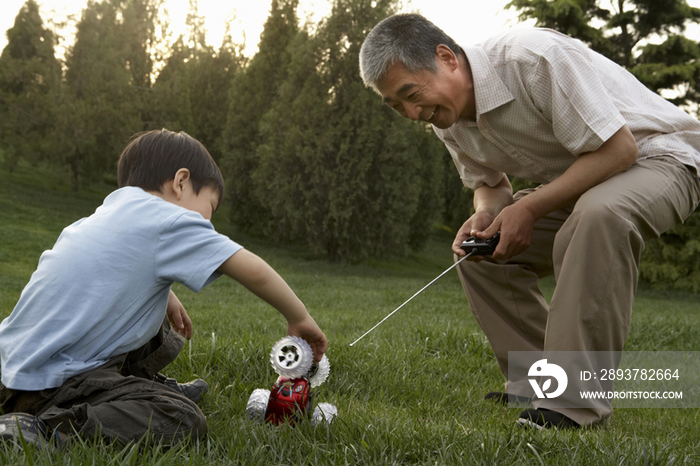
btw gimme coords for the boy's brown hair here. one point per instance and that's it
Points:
(154, 157)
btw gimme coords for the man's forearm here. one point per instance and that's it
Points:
(492, 200)
(616, 155)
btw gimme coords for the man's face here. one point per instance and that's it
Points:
(440, 98)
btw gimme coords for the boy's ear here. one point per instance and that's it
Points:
(182, 178)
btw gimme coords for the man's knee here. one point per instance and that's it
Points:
(597, 217)
(469, 270)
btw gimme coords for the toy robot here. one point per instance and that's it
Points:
(291, 397)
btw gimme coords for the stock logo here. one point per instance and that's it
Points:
(546, 372)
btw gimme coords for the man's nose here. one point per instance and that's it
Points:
(413, 111)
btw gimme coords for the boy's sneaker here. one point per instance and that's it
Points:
(542, 418)
(17, 426)
(507, 398)
(192, 390)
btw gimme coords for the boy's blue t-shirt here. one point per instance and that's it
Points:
(103, 289)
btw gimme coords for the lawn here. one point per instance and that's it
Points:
(410, 393)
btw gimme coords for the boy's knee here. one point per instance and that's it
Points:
(193, 424)
(196, 428)
(179, 420)
(199, 426)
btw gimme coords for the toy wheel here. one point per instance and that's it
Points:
(257, 405)
(291, 357)
(324, 413)
(319, 373)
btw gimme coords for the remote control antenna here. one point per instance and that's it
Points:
(419, 292)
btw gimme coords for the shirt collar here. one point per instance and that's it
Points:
(489, 90)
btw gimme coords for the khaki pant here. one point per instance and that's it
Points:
(119, 400)
(593, 248)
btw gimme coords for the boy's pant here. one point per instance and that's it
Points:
(593, 247)
(119, 400)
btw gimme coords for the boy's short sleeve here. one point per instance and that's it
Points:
(190, 251)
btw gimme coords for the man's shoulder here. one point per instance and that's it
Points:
(521, 43)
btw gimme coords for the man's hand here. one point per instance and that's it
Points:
(476, 223)
(177, 315)
(310, 331)
(489, 202)
(515, 223)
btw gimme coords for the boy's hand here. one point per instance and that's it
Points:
(310, 331)
(177, 315)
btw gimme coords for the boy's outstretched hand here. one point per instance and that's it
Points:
(310, 331)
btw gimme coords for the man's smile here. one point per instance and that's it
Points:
(433, 116)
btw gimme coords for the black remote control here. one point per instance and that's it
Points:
(479, 246)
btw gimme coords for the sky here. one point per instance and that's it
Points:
(467, 21)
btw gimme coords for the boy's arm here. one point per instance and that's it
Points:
(256, 275)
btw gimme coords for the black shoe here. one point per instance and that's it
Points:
(192, 390)
(542, 418)
(507, 398)
(17, 426)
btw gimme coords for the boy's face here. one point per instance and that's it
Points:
(179, 191)
(204, 203)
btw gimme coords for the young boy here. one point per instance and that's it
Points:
(81, 351)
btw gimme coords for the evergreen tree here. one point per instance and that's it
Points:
(337, 168)
(30, 76)
(170, 103)
(191, 92)
(211, 74)
(251, 95)
(100, 110)
(144, 41)
(140, 42)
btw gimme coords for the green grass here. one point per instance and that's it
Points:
(410, 393)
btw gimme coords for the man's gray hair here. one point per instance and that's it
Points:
(407, 38)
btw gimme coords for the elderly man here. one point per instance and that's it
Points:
(616, 165)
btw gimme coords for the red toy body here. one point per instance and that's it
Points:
(290, 399)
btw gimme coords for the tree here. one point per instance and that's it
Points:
(337, 169)
(251, 94)
(191, 92)
(100, 110)
(108, 71)
(139, 26)
(143, 32)
(29, 78)
(211, 74)
(170, 102)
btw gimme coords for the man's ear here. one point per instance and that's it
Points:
(445, 55)
(182, 178)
